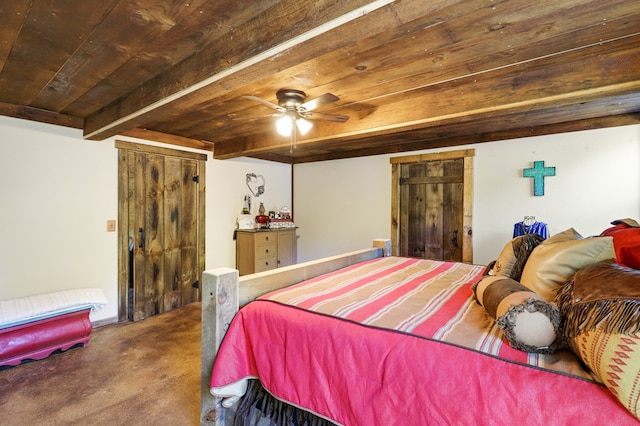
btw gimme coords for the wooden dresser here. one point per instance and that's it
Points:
(262, 250)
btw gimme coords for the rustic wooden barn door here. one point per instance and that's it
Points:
(431, 199)
(164, 200)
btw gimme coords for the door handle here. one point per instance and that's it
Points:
(141, 243)
(454, 239)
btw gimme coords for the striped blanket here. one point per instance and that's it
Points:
(401, 338)
(423, 297)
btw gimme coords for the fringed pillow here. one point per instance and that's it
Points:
(528, 321)
(514, 255)
(601, 311)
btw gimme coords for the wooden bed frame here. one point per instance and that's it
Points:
(224, 292)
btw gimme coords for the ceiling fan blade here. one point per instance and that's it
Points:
(327, 117)
(327, 98)
(263, 102)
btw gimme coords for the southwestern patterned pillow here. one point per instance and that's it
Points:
(600, 308)
(615, 359)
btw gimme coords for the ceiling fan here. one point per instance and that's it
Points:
(292, 108)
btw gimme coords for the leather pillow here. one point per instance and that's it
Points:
(566, 235)
(553, 263)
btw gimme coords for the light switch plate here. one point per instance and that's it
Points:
(111, 225)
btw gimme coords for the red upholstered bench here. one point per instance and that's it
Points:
(34, 327)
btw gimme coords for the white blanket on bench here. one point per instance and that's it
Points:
(32, 308)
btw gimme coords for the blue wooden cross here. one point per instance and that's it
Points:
(538, 173)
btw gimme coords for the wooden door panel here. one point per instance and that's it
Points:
(452, 223)
(433, 215)
(138, 191)
(452, 226)
(189, 233)
(172, 232)
(431, 198)
(405, 199)
(287, 248)
(414, 225)
(153, 226)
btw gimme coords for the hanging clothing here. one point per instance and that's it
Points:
(539, 228)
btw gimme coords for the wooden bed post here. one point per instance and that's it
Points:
(219, 305)
(384, 244)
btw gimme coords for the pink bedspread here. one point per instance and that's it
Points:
(408, 346)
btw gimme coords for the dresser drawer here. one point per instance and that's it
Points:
(267, 250)
(266, 263)
(264, 238)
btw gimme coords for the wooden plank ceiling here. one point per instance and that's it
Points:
(410, 74)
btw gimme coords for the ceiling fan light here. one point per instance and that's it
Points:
(303, 125)
(284, 125)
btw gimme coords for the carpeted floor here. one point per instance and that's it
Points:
(144, 373)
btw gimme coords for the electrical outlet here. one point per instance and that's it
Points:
(111, 226)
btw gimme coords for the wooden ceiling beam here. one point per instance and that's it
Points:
(151, 135)
(257, 41)
(580, 77)
(466, 139)
(412, 57)
(40, 115)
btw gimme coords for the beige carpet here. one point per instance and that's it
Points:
(145, 373)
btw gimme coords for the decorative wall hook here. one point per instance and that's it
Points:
(255, 183)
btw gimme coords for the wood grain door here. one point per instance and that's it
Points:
(165, 223)
(431, 216)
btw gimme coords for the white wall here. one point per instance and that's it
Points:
(58, 191)
(226, 188)
(342, 205)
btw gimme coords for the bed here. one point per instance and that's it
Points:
(418, 348)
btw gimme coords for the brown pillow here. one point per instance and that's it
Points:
(514, 255)
(602, 293)
(529, 322)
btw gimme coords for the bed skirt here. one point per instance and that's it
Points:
(259, 407)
